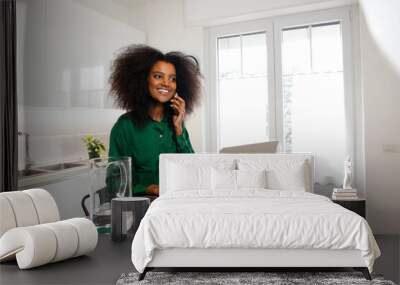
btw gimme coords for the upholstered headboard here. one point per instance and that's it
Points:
(234, 161)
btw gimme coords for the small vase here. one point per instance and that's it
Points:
(93, 154)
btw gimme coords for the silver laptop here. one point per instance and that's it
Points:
(265, 147)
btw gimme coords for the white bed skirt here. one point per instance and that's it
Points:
(193, 257)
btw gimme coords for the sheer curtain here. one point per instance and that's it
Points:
(8, 97)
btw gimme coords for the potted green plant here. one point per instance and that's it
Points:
(94, 146)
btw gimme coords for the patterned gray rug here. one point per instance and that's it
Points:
(269, 278)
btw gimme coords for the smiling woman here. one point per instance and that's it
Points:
(156, 90)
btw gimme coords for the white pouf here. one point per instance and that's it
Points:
(23, 208)
(46, 207)
(37, 245)
(7, 220)
(31, 233)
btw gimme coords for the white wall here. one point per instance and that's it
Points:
(164, 26)
(381, 19)
(380, 55)
(65, 48)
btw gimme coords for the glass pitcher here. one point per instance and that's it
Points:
(110, 177)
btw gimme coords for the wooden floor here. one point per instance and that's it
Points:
(110, 260)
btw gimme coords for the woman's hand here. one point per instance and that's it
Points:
(152, 190)
(178, 104)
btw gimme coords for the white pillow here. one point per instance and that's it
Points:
(251, 178)
(282, 174)
(182, 177)
(223, 178)
(288, 177)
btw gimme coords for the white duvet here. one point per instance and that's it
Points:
(251, 218)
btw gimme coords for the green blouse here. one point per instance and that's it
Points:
(144, 146)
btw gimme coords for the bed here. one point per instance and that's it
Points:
(246, 211)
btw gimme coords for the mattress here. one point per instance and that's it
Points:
(250, 219)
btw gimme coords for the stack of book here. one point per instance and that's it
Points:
(344, 194)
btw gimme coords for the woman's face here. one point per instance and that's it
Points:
(162, 81)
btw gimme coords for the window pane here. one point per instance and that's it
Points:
(229, 64)
(314, 119)
(326, 48)
(296, 48)
(243, 98)
(254, 52)
(243, 111)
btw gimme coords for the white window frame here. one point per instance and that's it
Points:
(212, 104)
(343, 16)
(348, 17)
